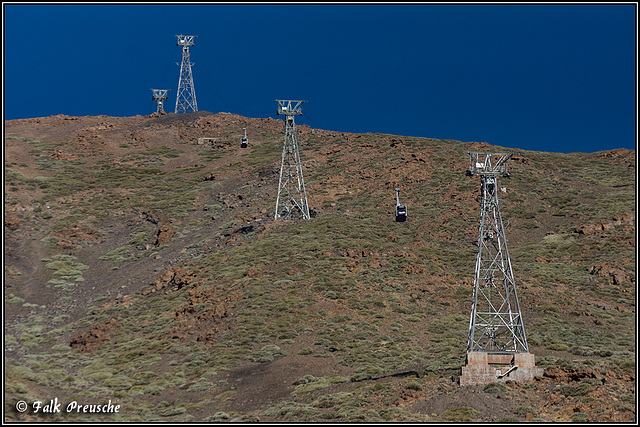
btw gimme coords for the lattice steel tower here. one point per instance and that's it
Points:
(186, 97)
(291, 203)
(496, 321)
(160, 95)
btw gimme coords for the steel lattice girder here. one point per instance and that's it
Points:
(291, 202)
(496, 323)
(186, 96)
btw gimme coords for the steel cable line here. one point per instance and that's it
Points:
(208, 83)
(164, 74)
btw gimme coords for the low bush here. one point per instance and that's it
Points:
(460, 414)
(495, 388)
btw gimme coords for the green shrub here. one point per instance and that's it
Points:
(361, 376)
(579, 417)
(67, 268)
(331, 400)
(201, 385)
(575, 390)
(413, 386)
(293, 411)
(460, 414)
(12, 299)
(523, 410)
(170, 412)
(268, 353)
(495, 388)
(118, 382)
(309, 383)
(557, 347)
(217, 417)
(61, 347)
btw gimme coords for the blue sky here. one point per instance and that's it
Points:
(553, 77)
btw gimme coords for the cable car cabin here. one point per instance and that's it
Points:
(401, 213)
(243, 143)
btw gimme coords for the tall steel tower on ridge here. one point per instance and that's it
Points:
(159, 95)
(291, 203)
(496, 321)
(496, 332)
(186, 97)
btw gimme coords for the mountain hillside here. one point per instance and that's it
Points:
(145, 269)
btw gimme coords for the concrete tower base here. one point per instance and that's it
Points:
(485, 368)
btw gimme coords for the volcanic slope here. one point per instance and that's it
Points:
(144, 268)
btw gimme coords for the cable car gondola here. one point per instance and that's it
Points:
(401, 210)
(244, 142)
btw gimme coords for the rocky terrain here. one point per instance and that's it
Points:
(145, 268)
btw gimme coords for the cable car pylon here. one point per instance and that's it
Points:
(159, 95)
(186, 96)
(497, 348)
(291, 203)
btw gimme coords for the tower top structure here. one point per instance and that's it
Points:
(483, 163)
(185, 41)
(289, 107)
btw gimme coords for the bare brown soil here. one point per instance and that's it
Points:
(238, 210)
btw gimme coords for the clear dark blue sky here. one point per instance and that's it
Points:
(558, 78)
